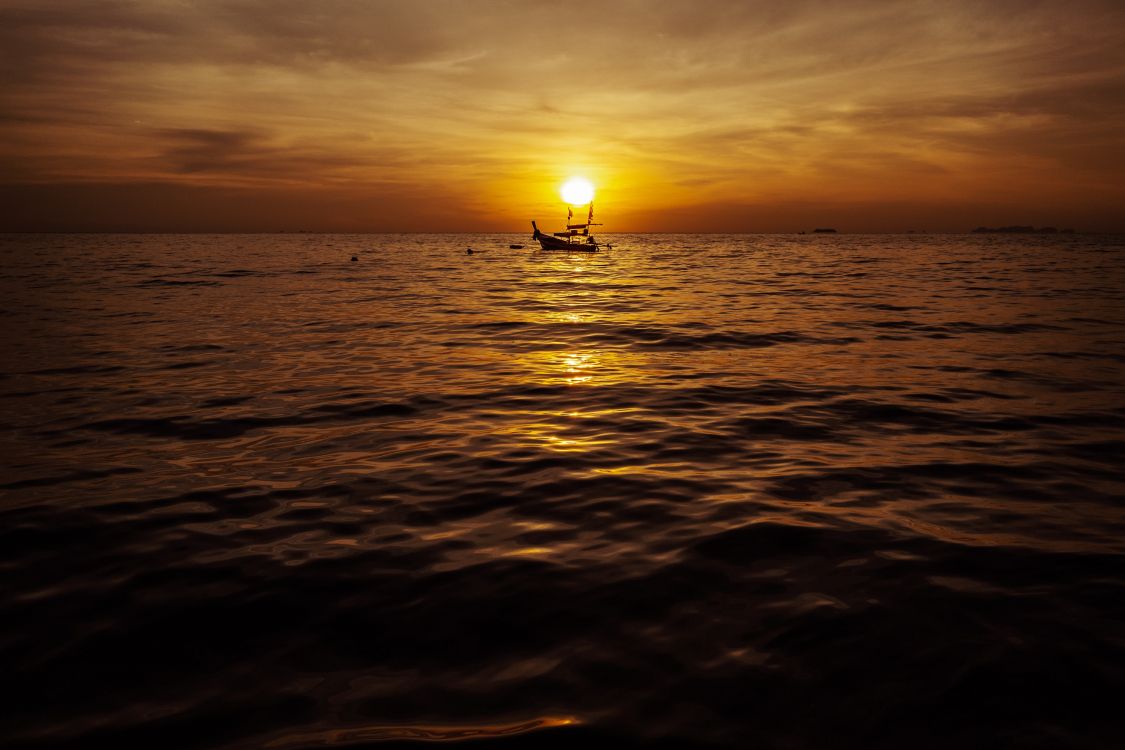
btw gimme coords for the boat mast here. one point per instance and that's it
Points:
(577, 230)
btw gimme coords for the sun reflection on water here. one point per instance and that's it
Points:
(558, 432)
(586, 367)
(578, 367)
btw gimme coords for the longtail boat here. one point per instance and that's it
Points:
(576, 238)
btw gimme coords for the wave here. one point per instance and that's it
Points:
(763, 491)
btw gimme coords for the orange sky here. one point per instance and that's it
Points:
(256, 115)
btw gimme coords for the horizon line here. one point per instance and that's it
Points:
(417, 232)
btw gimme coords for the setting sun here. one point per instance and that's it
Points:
(577, 190)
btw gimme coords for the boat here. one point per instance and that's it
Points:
(576, 238)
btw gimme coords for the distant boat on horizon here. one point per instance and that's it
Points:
(576, 238)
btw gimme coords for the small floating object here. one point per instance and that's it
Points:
(516, 247)
(468, 251)
(354, 259)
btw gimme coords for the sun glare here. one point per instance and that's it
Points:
(577, 190)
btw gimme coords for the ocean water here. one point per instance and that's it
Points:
(697, 491)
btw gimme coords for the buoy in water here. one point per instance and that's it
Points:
(468, 251)
(354, 259)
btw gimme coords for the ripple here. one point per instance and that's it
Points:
(679, 492)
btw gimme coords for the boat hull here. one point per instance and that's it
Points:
(556, 244)
(562, 246)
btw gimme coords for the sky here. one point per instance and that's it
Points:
(436, 115)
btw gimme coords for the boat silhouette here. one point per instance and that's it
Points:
(576, 238)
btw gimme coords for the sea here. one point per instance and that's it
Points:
(694, 491)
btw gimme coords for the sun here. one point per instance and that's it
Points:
(577, 190)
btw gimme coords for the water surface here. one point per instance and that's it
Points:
(732, 491)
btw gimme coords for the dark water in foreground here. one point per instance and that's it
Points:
(757, 491)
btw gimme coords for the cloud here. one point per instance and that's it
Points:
(488, 103)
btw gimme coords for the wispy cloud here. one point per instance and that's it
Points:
(739, 112)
